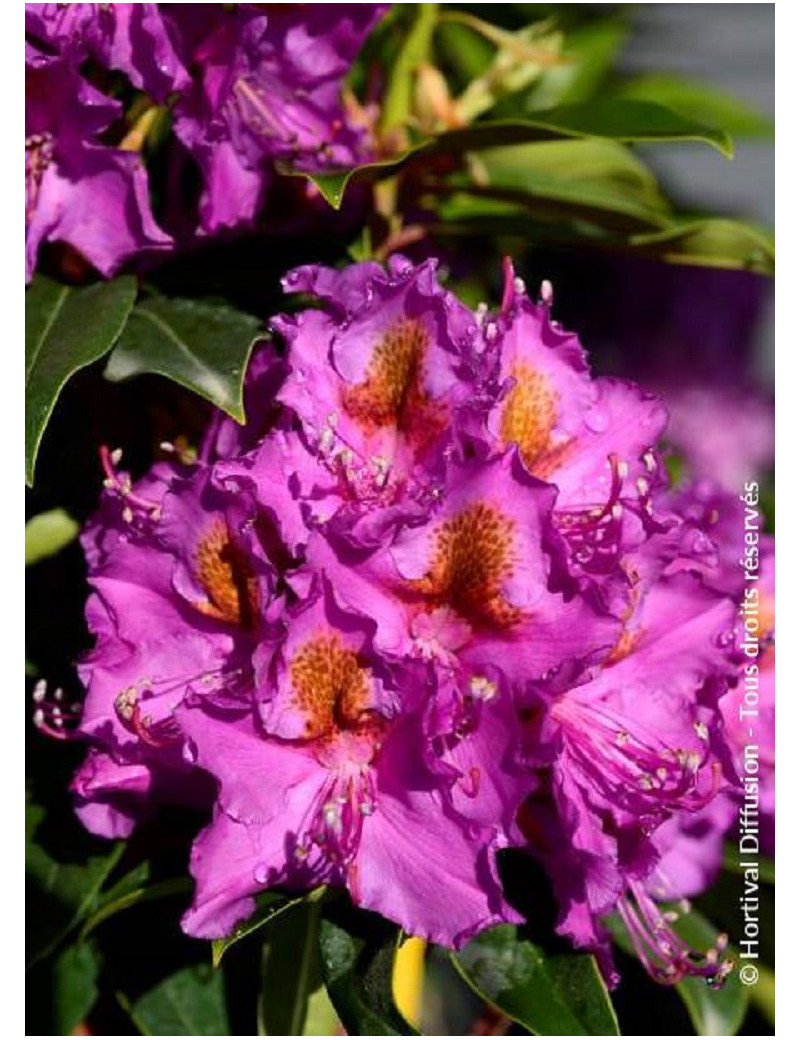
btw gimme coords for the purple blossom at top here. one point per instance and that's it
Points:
(266, 86)
(78, 190)
(131, 38)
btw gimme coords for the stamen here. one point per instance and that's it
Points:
(38, 157)
(665, 956)
(52, 715)
(120, 484)
(594, 534)
(635, 768)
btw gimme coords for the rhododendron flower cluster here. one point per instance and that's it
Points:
(434, 600)
(243, 88)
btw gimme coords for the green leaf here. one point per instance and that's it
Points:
(625, 121)
(290, 970)
(762, 994)
(520, 59)
(62, 892)
(583, 180)
(698, 101)
(321, 1017)
(589, 53)
(704, 242)
(415, 50)
(332, 185)
(66, 329)
(549, 994)
(204, 347)
(74, 986)
(191, 1002)
(630, 122)
(732, 858)
(145, 894)
(711, 242)
(47, 534)
(714, 1012)
(357, 951)
(465, 54)
(270, 905)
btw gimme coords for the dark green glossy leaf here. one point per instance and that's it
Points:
(630, 122)
(189, 1003)
(698, 101)
(74, 986)
(714, 1012)
(66, 329)
(357, 951)
(559, 994)
(290, 970)
(204, 347)
(62, 892)
(270, 905)
(626, 121)
(47, 534)
(332, 185)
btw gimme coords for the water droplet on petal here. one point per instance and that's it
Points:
(597, 420)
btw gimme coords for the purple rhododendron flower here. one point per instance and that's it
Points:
(349, 800)
(77, 190)
(267, 86)
(131, 38)
(434, 600)
(244, 87)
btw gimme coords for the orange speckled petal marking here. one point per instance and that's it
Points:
(330, 687)
(392, 393)
(628, 641)
(529, 414)
(474, 553)
(224, 573)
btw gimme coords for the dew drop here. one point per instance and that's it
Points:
(597, 420)
(261, 874)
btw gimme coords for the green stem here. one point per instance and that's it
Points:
(414, 51)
